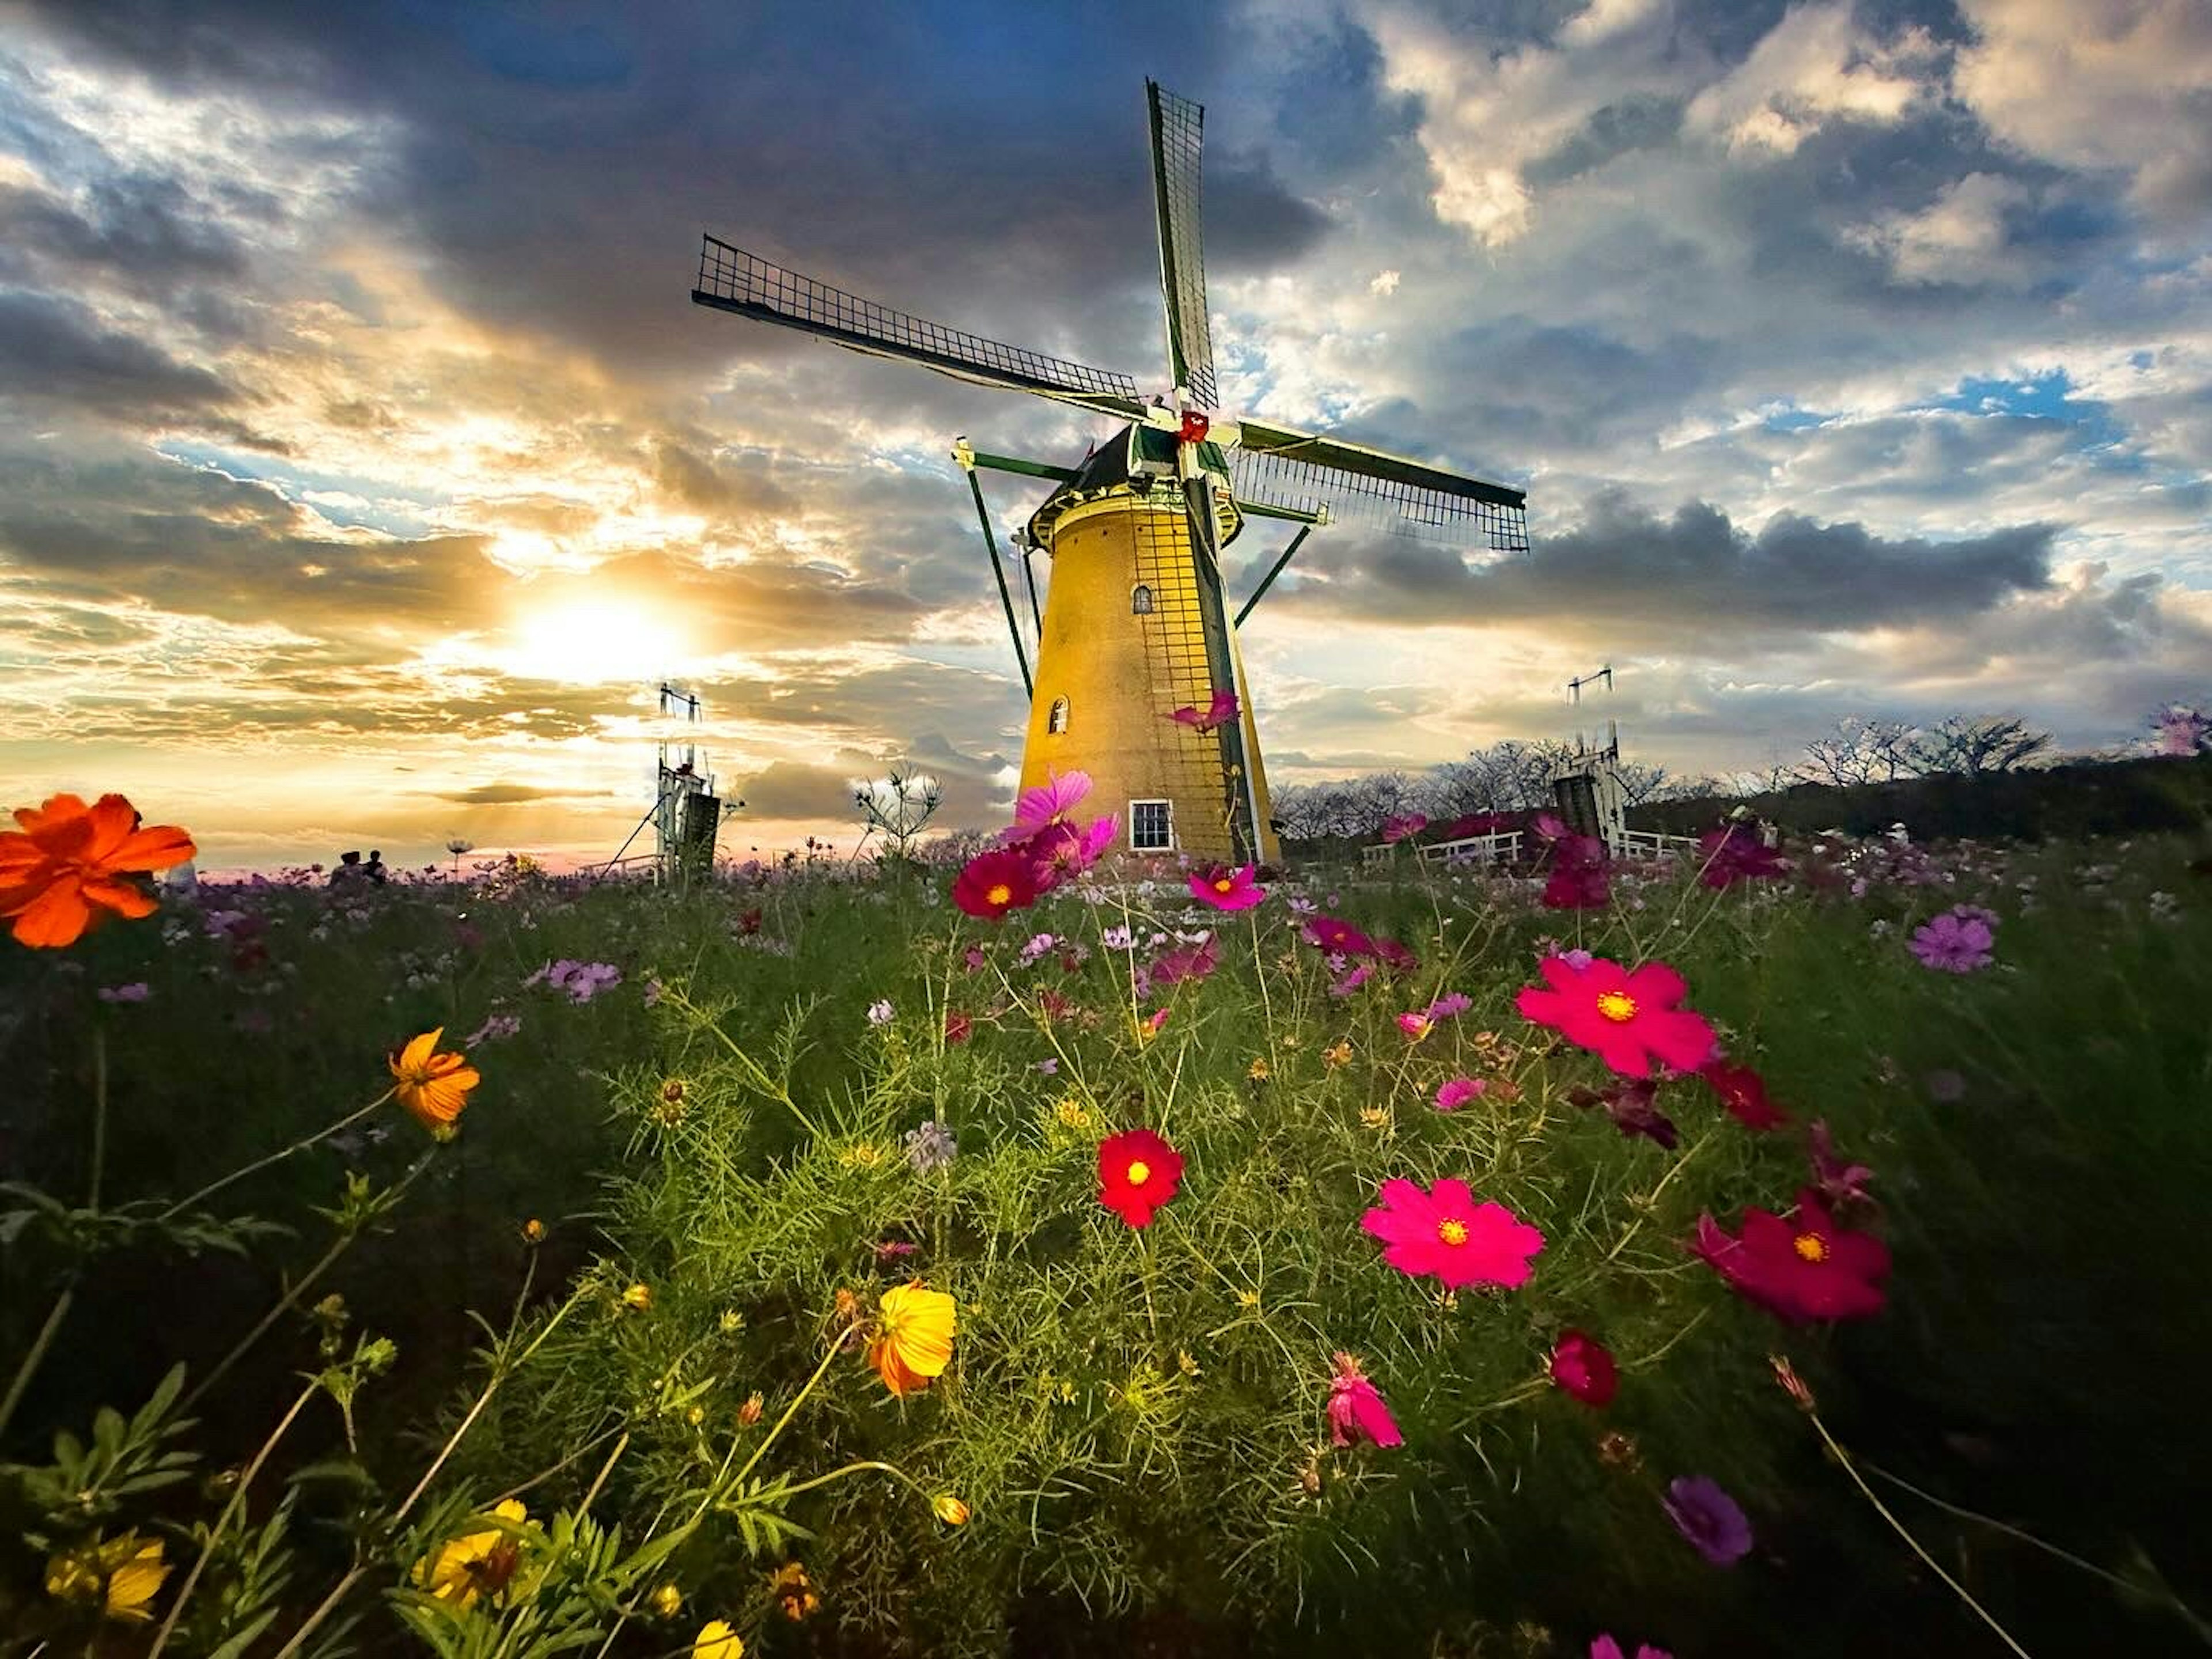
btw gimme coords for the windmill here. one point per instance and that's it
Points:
(1137, 655)
(1588, 790)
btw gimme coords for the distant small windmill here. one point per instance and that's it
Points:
(686, 814)
(1136, 625)
(1588, 791)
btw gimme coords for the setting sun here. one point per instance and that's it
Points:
(590, 644)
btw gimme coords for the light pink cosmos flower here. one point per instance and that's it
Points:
(1415, 1026)
(1445, 1232)
(1356, 1411)
(1049, 804)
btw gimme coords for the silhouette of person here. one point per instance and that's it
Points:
(349, 872)
(374, 868)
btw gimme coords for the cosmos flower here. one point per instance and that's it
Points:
(137, 992)
(1048, 805)
(1605, 1647)
(1743, 1091)
(1352, 980)
(1060, 850)
(1227, 889)
(931, 1147)
(1952, 944)
(1397, 829)
(1735, 852)
(120, 1574)
(881, 1012)
(1220, 712)
(991, 883)
(1633, 1104)
(1799, 1271)
(1338, 938)
(1578, 879)
(1444, 1232)
(1194, 962)
(914, 1337)
(68, 861)
(1628, 1018)
(1397, 957)
(1451, 1096)
(1840, 1182)
(433, 1087)
(1415, 1026)
(1583, 1367)
(1356, 1411)
(716, 1640)
(1709, 1518)
(1138, 1172)
(476, 1564)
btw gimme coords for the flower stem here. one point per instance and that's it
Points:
(32, 1360)
(299, 1145)
(1898, 1527)
(766, 1084)
(222, 1521)
(836, 1347)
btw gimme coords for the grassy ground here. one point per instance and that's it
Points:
(2035, 1130)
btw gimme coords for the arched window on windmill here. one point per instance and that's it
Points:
(1140, 600)
(1055, 719)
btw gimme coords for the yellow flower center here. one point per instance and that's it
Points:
(1810, 1249)
(1139, 1172)
(1222, 884)
(1616, 1005)
(1452, 1233)
(1000, 894)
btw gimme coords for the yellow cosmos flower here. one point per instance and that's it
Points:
(433, 1087)
(914, 1337)
(122, 1574)
(667, 1600)
(1341, 1055)
(1259, 1071)
(638, 1295)
(716, 1640)
(949, 1510)
(476, 1564)
(793, 1591)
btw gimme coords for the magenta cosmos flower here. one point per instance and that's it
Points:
(1445, 1232)
(1953, 945)
(1356, 1411)
(1225, 888)
(1627, 1018)
(1583, 1367)
(1060, 850)
(1800, 1270)
(1735, 852)
(992, 883)
(1451, 1096)
(1606, 1648)
(1339, 938)
(1050, 803)
(1743, 1091)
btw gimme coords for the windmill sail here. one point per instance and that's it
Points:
(731, 279)
(1178, 132)
(1281, 467)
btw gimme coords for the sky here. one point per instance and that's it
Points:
(364, 462)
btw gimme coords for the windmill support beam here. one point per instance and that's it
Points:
(1268, 580)
(1015, 464)
(968, 463)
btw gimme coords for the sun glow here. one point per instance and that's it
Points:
(590, 644)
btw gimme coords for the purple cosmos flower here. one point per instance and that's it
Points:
(1038, 944)
(1709, 1518)
(134, 993)
(1953, 946)
(1118, 938)
(1049, 1068)
(1449, 1005)
(1840, 1181)
(1352, 980)
(494, 1026)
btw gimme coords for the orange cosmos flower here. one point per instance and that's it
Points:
(434, 1087)
(68, 858)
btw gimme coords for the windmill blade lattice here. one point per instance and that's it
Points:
(1402, 499)
(731, 279)
(1178, 135)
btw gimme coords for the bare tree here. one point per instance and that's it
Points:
(1971, 744)
(1639, 783)
(1861, 749)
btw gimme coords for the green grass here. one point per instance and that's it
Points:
(1136, 1417)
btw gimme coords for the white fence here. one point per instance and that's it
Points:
(1504, 845)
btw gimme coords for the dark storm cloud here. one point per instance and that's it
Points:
(1694, 576)
(511, 794)
(132, 228)
(55, 352)
(1643, 121)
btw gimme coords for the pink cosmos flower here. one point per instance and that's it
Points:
(1840, 1182)
(1397, 829)
(1583, 1367)
(1451, 1096)
(1196, 962)
(1339, 938)
(1452, 1003)
(1220, 712)
(1952, 946)
(1628, 1018)
(1050, 803)
(1397, 957)
(1060, 850)
(1578, 881)
(1356, 1411)
(1415, 1026)
(1225, 888)
(1445, 1232)
(1631, 1103)
(1735, 852)
(1606, 1648)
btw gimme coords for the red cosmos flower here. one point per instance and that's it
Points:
(1225, 888)
(958, 1027)
(1583, 1367)
(69, 863)
(1138, 1172)
(1743, 1091)
(992, 883)
(1627, 1018)
(1445, 1232)
(1339, 938)
(1800, 1271)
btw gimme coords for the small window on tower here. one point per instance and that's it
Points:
(1140, 600)
(1151, 826)
(1057, 720)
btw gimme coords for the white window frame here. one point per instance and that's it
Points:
(1057, 716)
(1145, 608)
(1155, 800)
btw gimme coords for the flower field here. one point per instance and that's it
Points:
(1789, 1251)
